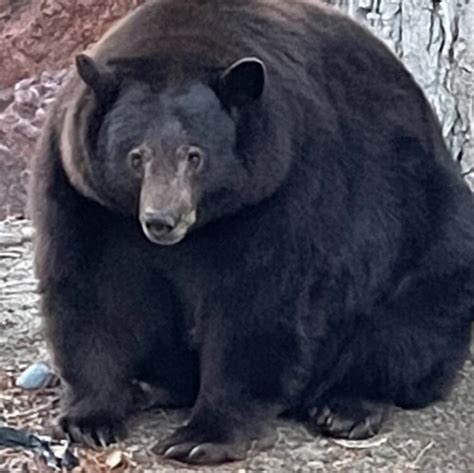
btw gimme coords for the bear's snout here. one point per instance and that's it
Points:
(159, 223)
(165, 227)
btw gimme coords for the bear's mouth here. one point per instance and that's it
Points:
(171, 235)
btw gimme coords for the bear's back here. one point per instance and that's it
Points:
(330, 82)
(326, 66)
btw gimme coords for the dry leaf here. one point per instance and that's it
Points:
(115, 460)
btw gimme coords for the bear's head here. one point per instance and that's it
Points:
(172, 155)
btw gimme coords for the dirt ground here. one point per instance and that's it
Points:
(436, 439)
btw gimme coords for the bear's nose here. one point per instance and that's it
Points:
(159, 223)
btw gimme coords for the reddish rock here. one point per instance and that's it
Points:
(39, 35)
(38, 39)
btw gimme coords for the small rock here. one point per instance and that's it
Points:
(5, 9)
(28, 130)
(48, 102)
(25, 84)
(39, 118)
(27, 233)
(6, 98)
(7, 119)
(27, 101)
(5, 152)
(51, 8)
(9, 239)
(36, 376)
(4, 381)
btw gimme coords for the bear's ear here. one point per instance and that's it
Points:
(243, 81)
(99, 78)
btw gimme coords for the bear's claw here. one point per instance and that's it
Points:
(348, 419)
(185, 446)
(95, 430)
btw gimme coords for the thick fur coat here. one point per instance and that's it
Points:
(325, 264)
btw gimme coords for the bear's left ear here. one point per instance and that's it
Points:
(101, 79)
(243, 81)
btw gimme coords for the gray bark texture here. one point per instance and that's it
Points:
(435, 40)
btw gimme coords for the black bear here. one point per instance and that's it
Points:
(247, 206)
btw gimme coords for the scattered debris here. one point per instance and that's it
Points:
(114, 460)
(117, 461)
(107, 461)
(361, 444)
(420, 455)
(54, 454)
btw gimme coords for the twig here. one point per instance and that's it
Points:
(13, 292)
(46, 405)
(414, 464)
(11, 254)
(13, 295)
(6, 242)
(23, 282)
(360, 444)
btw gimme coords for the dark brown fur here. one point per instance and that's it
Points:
(338, 279)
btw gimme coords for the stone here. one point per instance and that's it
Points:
(37, 376)
(26, 129)
(6, 98)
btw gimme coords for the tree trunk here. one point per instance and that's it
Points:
(435, 40)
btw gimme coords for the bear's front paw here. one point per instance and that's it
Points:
(191, 445)
(94, 427)
(349, 419)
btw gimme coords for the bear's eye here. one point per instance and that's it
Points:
(195, 157)
(135, 159)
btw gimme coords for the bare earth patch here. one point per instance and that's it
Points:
(437, 439)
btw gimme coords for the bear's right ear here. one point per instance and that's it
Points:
(98, 77)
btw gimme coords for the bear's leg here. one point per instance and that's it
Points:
(405, 352)
(87, 345)
(100, 302)
(107, 314)
(94, 363)
(419, 339)
(126, 329)
(252, 362)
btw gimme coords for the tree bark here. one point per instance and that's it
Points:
(435, 40)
